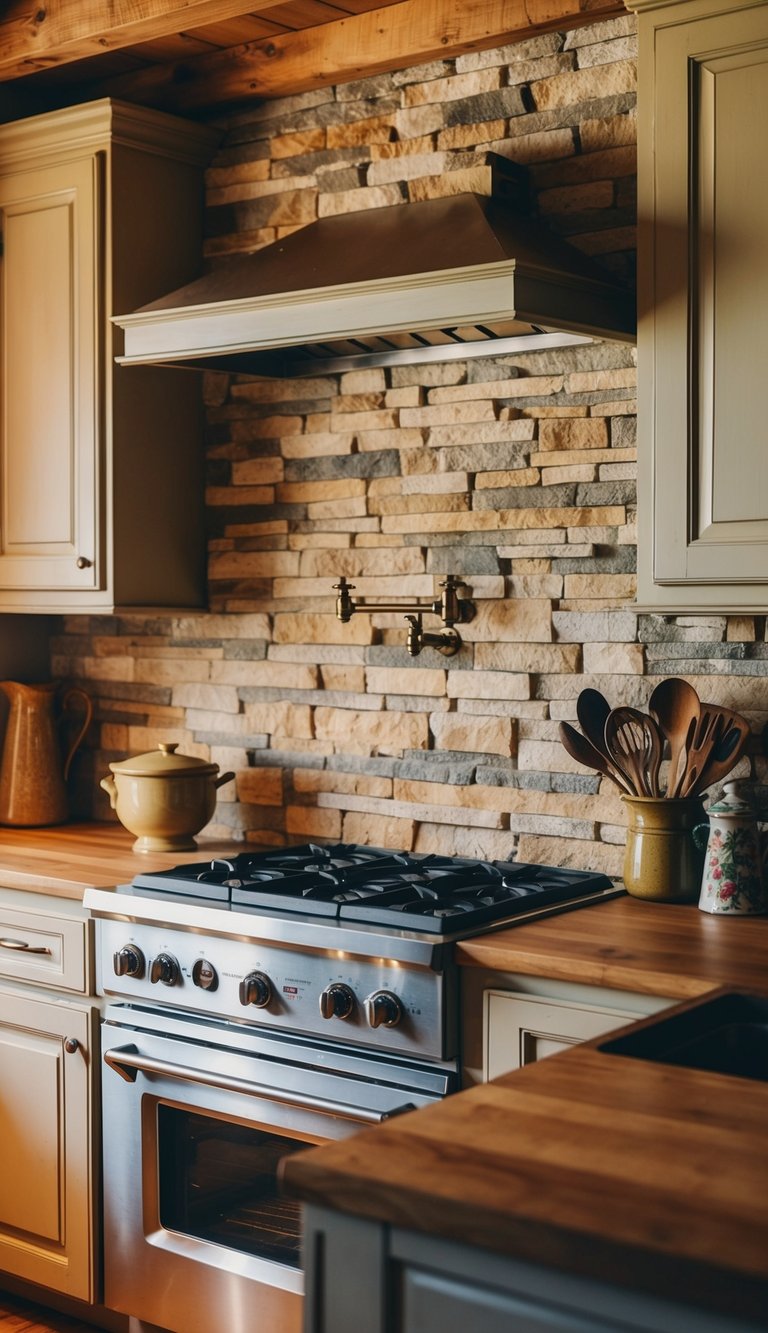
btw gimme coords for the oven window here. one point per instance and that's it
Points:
(218, 1181)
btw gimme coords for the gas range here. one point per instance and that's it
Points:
(345, 942)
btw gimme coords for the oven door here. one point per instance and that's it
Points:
(197, 1116)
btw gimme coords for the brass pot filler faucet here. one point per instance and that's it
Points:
(450, 607)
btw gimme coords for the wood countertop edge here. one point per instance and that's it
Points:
(65, 860)
(425, 1172)
(664, 949)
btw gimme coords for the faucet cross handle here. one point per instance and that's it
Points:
(345, 605)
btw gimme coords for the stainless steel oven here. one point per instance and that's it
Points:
(197, 1115)
(256, 1006)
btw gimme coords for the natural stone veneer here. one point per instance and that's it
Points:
(516, 474)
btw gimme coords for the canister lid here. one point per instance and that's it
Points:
(163, 762)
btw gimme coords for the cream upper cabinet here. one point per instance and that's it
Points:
(101, 490)
(703, 294)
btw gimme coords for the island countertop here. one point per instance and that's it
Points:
(618, 1169)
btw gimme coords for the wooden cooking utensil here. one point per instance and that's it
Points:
(635, 746)
(592, 709)
(584, 752)
(728, 747)
(675, 706)
(706, 733)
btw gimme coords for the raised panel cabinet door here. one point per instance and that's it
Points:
(520, 1029)
(49, 377)
(703, 341)
(46, 1175)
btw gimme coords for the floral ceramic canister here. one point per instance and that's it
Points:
(733, 880)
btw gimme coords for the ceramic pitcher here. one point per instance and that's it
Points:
(33, 773)
(734, 877)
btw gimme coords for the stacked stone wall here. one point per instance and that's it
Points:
(516, 474)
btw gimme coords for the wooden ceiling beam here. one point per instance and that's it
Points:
(410, 33)
(42, 34)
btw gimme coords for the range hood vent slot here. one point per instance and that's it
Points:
(449, 278)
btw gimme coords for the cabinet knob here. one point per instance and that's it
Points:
(83, 562)
(71, 1044)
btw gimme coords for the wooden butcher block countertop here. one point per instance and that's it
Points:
(666, 949)
(620, 1170)
(66, 860)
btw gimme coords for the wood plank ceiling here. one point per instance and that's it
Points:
(192, 56)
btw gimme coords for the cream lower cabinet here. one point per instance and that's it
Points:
(101, 487)
(510, 1020)
(703, 293)
(48, 1100)
(520, 1029)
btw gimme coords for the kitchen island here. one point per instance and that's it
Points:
(586, 1191)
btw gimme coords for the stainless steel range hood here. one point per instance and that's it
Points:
(466, 275)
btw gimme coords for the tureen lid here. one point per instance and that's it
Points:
(163, 762)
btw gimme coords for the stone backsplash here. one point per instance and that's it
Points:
(516, 474)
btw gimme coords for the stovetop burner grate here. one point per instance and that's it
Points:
(353, 882)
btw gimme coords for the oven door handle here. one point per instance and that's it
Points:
(128, 1062)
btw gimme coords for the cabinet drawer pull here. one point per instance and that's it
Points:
(83, 563)
(21, 946)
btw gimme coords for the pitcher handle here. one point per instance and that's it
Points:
(700, 835)
(76, 692)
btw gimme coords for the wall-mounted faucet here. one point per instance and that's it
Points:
(450, 607)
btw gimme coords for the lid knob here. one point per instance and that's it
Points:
(168, 747)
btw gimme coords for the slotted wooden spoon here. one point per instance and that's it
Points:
(635, 746)
(727, 749)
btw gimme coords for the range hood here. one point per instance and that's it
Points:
(470, 274)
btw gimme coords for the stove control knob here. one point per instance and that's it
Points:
(204, 974)
(337, 1001)
(165, 968)
(256, 989)
(129, 962)
(383, 1009)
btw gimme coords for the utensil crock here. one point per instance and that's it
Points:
(163, 797)
(662, 862)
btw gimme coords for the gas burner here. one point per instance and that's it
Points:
(351, 882)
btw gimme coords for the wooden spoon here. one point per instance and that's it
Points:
(675, 706)
(634, 744)
(584, 752)
(592, 709)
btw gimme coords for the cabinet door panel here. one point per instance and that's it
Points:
(520, 1029)
(32, 1124)
(703, 335)
(46, 1170)
(435, 1303)
(50, 398)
